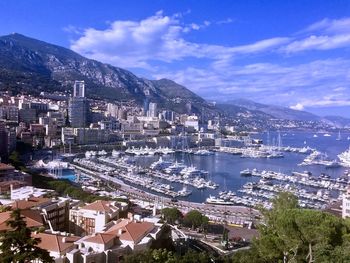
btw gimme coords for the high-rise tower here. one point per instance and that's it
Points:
(78, 107)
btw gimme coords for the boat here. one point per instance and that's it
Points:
(315, 135)
(249, 185)
(203, 152)
(184, 191)
(333, 164)
(190, 171)
(327, 135)
(245, 172)
(160, 164)
(175, 168)
(102, 153)
(344, 158)
(339, 137)
(217, 201)
(115, 153)
(275, 154)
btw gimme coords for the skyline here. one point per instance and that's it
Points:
(288, 54)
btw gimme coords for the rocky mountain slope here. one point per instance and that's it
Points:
(32, 65)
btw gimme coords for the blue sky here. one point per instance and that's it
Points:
(289, 53)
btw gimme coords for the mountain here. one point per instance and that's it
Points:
(338, 121)
(276, 111)
(30, 65)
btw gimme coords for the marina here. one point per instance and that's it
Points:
(248, 181)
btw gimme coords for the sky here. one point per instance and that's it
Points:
(292, 53)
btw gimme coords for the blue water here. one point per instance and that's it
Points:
(68, 174)
(224, 169)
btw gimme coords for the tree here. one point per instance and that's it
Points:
(291, 234)
(171, 214)
(151, 256)
(195, 219)
(17, 244)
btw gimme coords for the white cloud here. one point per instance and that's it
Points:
(269, 83)
(319, 43)
(325, 35)
(297, 106)
(330, 25)
(158, 42)
(156, 38)
(225, 21)
(72, 29)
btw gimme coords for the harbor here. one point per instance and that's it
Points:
(223, 178)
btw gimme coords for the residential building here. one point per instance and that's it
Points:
(78, 112)
(346, 204)
(152, 110)
(27, 115)
(79, 89)
(57, 245)
(8, 173)
(3, 141)
(112, 110)
(32, 218)
(119, 238)
(93, 217)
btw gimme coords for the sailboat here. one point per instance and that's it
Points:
(339, 137)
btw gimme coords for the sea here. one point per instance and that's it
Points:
(224, 168)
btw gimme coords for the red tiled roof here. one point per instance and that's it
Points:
(101, 206)
(29, 203)
(101, 238)
(4, 166)
(55, 242)
(131, 231)
(31, 217)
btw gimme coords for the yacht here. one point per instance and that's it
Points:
(217, 201)
(160, 164)
(339, 137)
(102, 153)
(332, 164)
(184, 192)
(344, 158)
(176, 168)
(246, 172)
(275, 154)
(191, 171)
(203, 152)
(115, 153)
(249, 185)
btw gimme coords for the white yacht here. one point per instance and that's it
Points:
(245, 172)
(203, 152)
(190, 171)
(344, 158)
(102, 153)
(160, 164)
(217, 201)
(115, 153)
(339, 137)
(175, 168)
(184, 191)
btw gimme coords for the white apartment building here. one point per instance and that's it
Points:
(93, 217)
